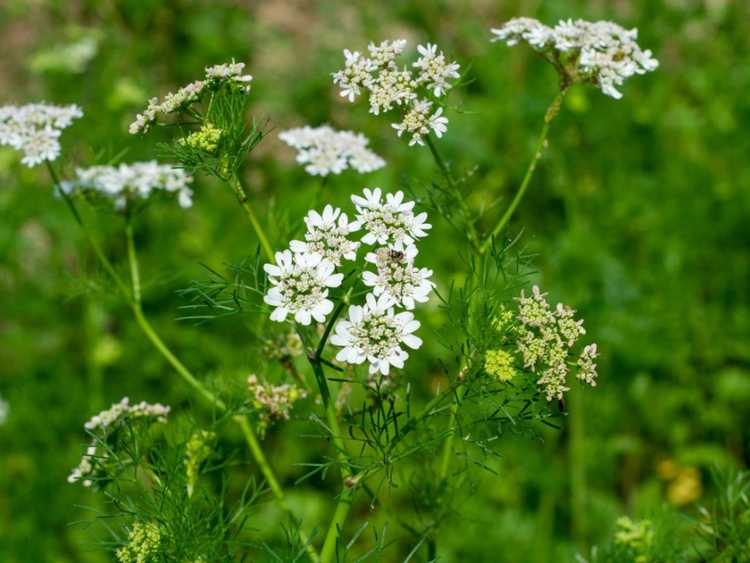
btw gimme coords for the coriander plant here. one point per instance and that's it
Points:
(339, 307)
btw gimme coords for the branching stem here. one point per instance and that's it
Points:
(241, 194)
(328, 552)
(549, 116)
(471, 229)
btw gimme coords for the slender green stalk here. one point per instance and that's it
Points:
(448, 446)
(106, 264)
(549, 116)
(135, 276)
(241, 194)
(471, 229)
(328, 552)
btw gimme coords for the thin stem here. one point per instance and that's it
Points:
(241, 194)
(178, 366)
(552, 111)
(448, 446)
(472, 233)
(328, 553)
(135, 277)
(106, 264)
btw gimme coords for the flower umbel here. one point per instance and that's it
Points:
(602, 53)
(327, 234)
(375, 333)
(103, 425)
(397, 277)
(131, 182)
(413, 91)
(273, 402)
(143, 544)
(389, 222)
(499, 363)
(229, 75)
(545, 339)
(35, 129)
(300, 286)
(324, 151)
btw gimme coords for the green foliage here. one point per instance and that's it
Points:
(636, 216)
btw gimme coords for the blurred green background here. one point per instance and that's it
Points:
(638, 217)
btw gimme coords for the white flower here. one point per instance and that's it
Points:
(435, 71)
(418, 122)
(374, 333)
(106, 421)
(217, 76)
(587, 366)
(390, 222)
(602, 52)
(327, 235)
(231, 72)
(300, 286)
(392, 87)
(137, 180)
(534, 32)
(384, 54)
(117, 411)
(355, 75)
(35, 129)
(326, 151)
(397, 277)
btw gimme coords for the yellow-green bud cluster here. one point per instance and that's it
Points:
(503, 320)
(143, 544)
(499, 363)
(199, 447)
(636, 536)
(206, 139)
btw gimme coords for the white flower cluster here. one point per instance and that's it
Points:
(106, 421)
(602, 52)
(324, 151)
(389, 85)
(545, 339)
(229, 74)
(137, 180)
(302, 276)
(117, 411)
(35, 129)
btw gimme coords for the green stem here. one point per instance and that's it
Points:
(135, 276)
(472, 233)
(328, 552)
(241, 194)
(448, 446)
(106, 264)
(552, 111)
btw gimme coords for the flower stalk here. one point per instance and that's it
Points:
(549, 116)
